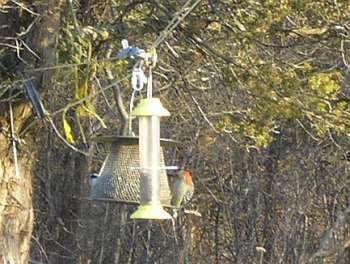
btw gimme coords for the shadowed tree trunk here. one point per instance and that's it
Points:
(37, 36)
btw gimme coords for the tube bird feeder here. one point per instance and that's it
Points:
(149, 111)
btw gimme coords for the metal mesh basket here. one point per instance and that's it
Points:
(119, 179)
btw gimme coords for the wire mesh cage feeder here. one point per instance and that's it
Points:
(119, 178)
(134, 170)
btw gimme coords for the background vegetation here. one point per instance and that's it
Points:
(259, 94)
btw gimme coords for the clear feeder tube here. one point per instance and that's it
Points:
(150, 159)
(149, 111)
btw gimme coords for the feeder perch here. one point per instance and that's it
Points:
(149, 111)
(119, 176)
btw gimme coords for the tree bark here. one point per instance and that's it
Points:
(16, 208)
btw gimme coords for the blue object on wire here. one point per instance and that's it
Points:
(33, 96)
(130, 51)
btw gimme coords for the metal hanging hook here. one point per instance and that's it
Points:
(150, 62)
(151, 58)
(138, 79)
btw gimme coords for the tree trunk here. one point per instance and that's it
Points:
(16, 209)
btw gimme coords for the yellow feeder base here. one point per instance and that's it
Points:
(150, 211)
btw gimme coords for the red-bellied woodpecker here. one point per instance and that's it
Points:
(181, 188)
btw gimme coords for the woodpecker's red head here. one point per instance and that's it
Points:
(188, 177)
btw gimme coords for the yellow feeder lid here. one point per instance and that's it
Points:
(150, 211)
(150, 107)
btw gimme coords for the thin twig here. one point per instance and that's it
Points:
(110, 106)
(332, 138)
(103, 234)
(131, 252)
(25, 8)
(204, 115)
(343, 54)
(307, 132)
(64, 140)
(30, 50)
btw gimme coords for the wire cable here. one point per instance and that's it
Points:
(175, 22)
(13, 139)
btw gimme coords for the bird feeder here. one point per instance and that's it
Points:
(149, 111)
(119, 176)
